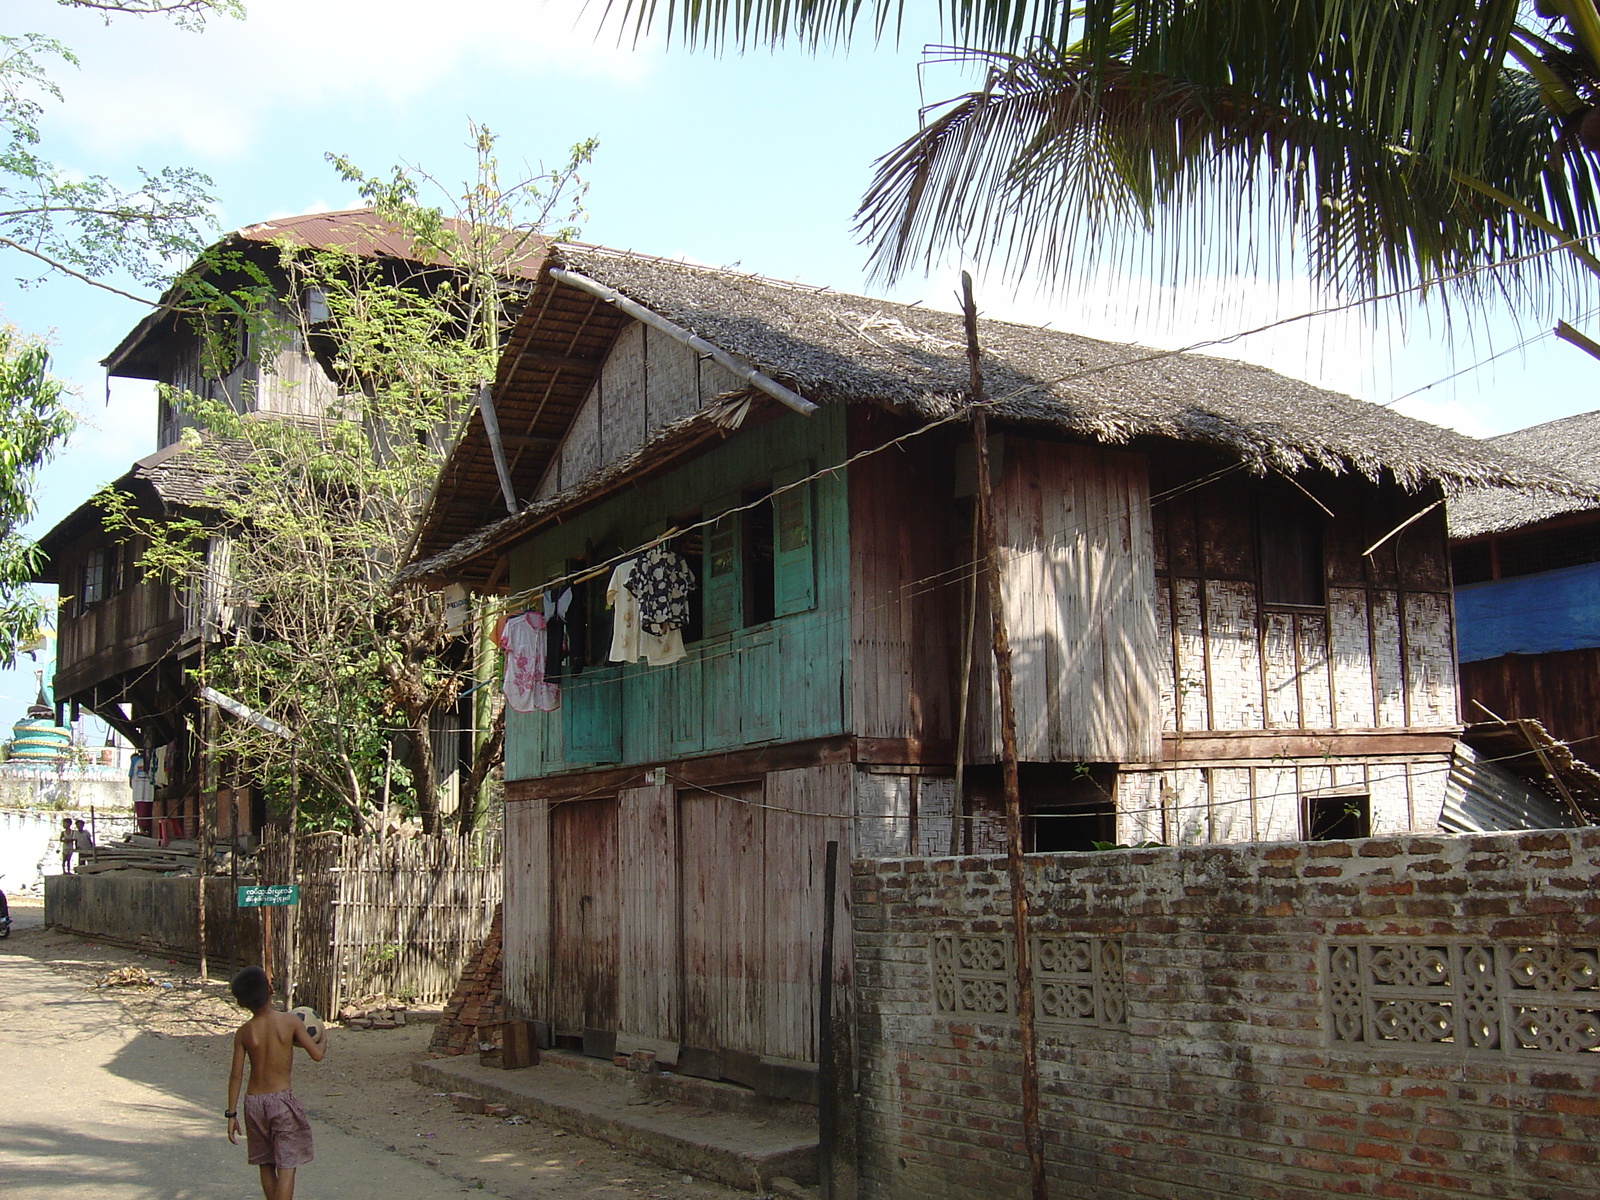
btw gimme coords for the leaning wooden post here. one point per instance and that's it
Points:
(292, 919)
(202, 835)
(1032, 1132)
(827, 1065)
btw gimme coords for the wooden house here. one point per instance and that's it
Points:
(1228, 594)
(1527, 580)
(127, 645)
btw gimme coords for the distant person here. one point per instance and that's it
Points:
(69, 844)
(83, 842)
(275, 1128)
(141, 783)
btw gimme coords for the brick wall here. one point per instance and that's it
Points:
(1408, 1017)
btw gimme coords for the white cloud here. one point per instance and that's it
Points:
(145, 83)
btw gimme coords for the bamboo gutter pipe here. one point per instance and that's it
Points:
(678, 333)
(491, 427)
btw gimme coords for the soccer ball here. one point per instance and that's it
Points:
(313, 1023)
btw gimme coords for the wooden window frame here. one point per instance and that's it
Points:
(1278, 502)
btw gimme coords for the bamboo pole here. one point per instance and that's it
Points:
(292, 931)
(203, 833)
(827, 1067)
(960, 833)
(1032, 1132)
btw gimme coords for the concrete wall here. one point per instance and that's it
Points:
(30, 847)
(156, 914)
(1413, 1017)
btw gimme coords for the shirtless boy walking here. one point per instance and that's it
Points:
(276, 1130)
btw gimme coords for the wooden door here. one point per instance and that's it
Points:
(723, 886)
(584, 915)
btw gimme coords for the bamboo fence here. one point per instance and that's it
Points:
(396, 920)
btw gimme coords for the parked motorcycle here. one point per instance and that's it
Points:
(5, 913)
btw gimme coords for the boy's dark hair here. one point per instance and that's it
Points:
(252, 989)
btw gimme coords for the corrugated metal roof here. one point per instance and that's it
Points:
(358, 231)
(364, 232)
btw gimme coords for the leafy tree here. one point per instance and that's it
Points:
(318, 514)
(87, 227)
(34, 422)
(90, 227)
(1407, 143)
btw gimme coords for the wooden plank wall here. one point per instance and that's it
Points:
(648, 925)
(1190, 803)
(905, 599)
(1560, 690)
(293, 381)
(526, 937)
(809, 808)
(649, 380)
(1073, 523)
(680, 916)
(585, 914)
(1380, 654)
(783, 680)
(723, 917)
(127, 630)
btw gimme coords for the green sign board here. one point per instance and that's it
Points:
(268, 895)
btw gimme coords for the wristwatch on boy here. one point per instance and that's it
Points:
(231, 1114)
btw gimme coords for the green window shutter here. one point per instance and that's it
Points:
(591, 709)
(723, 577)
(793, 557)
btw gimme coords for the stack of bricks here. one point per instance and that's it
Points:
(475, 1002)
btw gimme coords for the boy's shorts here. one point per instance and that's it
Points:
(276, 1131)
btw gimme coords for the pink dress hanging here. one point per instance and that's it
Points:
(525, 687)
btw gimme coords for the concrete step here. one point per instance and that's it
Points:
(692, 1138)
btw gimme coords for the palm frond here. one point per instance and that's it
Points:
(1061, 156)
(718, 24)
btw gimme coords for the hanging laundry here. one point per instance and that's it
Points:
(629, 641)
(662, 582)
(526, 689)
(555, 616)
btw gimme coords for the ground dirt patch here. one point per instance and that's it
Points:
(363, 1087)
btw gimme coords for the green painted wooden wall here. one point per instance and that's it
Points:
(780, 681)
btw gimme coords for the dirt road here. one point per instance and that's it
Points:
(117, 1094)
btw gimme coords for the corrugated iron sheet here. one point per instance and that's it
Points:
(360, 231)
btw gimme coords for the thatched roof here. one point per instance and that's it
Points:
(1570, 445)
(836, 348)
(182, 478)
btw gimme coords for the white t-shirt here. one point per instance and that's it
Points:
(629, 641)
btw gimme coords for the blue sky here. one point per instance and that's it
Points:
(757, 160)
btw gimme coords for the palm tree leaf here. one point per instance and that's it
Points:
(1057, 160)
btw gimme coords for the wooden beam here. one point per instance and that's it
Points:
(708, 771)
(491, 428)
(905, 751)
(562, 361)
(1581, 340)
(1299, 744)
(639, 312)
(522, 441)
